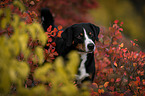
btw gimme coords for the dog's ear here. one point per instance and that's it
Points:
(96, 30)
(67, 36)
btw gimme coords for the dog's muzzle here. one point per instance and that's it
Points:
(91, 47)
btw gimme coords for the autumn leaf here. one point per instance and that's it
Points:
(116, 21)
(115, 64)
(59, 27)
(100, 91)
(49, 28)
(121, 45)
(118, 80)
(106, 84)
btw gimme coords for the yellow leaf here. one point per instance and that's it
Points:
(41, 72)
(39, 90)
(1, 12)
(8, 14)
(32, 32)
(39, 52)
(22, 69)
(19, 4)
(3, 23)
(121, 45)
(23, 40)
(73, 63)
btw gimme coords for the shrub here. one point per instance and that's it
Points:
(22, 67)
(118, 70)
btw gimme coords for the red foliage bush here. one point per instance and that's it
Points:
(118, 70)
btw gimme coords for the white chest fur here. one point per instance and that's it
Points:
(83, 74)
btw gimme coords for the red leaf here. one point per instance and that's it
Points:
(49, 28)
(49, 39)
(116, 21)
(121, 23)
(121, 29)
(118, 80)
(59, 27)
(53, 44)
(53, 34)
(59, 34)
(138, 79)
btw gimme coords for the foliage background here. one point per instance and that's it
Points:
(131, 12)
(119, 70)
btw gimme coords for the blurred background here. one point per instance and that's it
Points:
(131, 12)
(102, 13)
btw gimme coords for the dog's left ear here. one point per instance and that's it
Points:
(67, 36)
(96, 30)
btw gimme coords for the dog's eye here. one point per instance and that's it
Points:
(81, 34)
(92, 35)
(79, 37)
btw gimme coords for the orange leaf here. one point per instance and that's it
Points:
(100, 91)
(115, 64)
(106, 84)
(143, 81)
(115, 43)
(94, 85)
(59, 27)
(55, 30)
(59, 34)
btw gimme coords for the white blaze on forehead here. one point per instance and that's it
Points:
(87, 40)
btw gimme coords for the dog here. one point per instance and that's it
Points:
(80, 37)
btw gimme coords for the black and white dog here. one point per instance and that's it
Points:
(80, 37)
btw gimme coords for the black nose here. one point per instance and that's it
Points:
(91, 46)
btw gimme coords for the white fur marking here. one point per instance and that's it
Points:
(87, 41)
(82, 69)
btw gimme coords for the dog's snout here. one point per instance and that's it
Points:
(91, 46)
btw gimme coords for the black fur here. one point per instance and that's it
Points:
(69, 40)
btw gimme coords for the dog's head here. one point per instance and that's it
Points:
(82, 36)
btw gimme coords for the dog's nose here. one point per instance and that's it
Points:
(91, 46)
